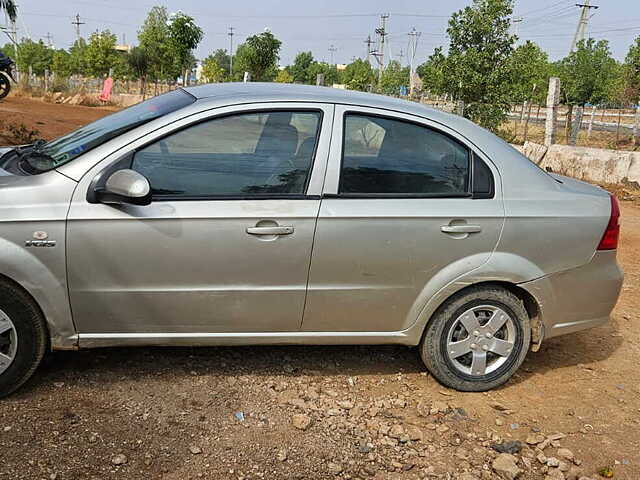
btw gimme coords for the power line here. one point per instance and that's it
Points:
(550, 6)
(548, 15)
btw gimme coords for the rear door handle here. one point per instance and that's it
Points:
(269, 230)
(461, 228)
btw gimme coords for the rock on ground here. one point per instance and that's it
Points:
(506, 467)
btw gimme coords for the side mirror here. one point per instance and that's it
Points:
(125, 186)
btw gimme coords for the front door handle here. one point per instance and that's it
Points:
(461, 228)
(269, 230)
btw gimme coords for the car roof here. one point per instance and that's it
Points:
(309, 93)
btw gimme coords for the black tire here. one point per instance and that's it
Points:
(433, 348)
(31, 333)
(5, 86)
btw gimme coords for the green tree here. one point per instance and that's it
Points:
(78, 57)
(222, 59)
(330, 73)
(212, 71)
(300, 68)
(358, 75)
(631, 72)
(477, 68)
(9, 50)
(259, 56)
(139, 64)
(587, 74)
(153, 37)
(32, 54)
(529, 66)
(61, 63)
(284, 76)
(432, 72)
(394, 76)
(184, 37)
(101, 55)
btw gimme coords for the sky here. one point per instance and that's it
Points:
(321, 24)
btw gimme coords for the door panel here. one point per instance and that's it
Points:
(201, 265)
(189, 266)
(373, 257)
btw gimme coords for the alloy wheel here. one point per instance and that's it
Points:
(8, 341)
(481, 340)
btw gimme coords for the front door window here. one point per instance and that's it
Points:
(246, 155)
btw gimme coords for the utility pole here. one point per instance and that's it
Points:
(49, 38)
(400, 56)
(414, 36)
(230, 50)
(368, 42)
(332, 50)
(11, 30)
(77, 24)
(379, 53)
(581, 30)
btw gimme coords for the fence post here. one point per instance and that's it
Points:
(526, 122)
(575, 127)
(636, 126)
(591, 119)
(553, 98)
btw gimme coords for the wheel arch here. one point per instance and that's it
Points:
(58, 338)
(13, 284)
(530, 303)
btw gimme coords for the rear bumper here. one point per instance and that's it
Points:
(578, 298)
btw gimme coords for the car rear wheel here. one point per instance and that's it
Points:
(477, 339)
(23, 338)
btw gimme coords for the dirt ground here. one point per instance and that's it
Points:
(49, 119)
(372, 412)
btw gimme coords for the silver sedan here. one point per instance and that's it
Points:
(278, 214)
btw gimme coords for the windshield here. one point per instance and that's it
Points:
(64, 149)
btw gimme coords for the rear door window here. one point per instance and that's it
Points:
(383, 156)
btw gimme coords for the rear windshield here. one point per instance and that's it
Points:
(64, 149)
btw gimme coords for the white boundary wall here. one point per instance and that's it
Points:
(590, 164)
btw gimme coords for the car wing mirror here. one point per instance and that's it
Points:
(125, 187)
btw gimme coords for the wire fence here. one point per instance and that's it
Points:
(592, 126)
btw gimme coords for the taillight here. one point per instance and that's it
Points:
(610, 238)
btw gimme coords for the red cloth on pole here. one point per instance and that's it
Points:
(106, 90)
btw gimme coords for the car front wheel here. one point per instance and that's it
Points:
(23, 338)
(477, 339)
